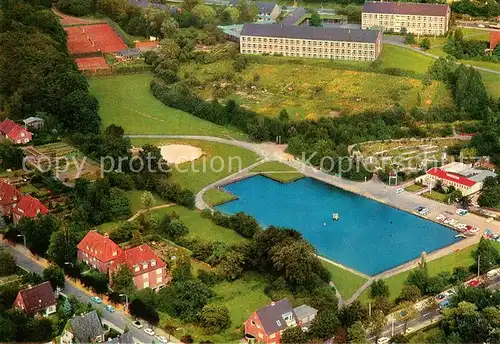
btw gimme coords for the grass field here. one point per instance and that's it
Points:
(314, 89)
(446, 263)
(435, 196)
(215, 197)
(219, 161)
(346, 282)
(492, 83)
(126, 101)
(414, 188)
(397, 57)
(278, 171)
(202, 228)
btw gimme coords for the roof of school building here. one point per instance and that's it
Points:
(405, 8)
(311, 33)
(294, 17)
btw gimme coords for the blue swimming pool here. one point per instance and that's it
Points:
(370, 237)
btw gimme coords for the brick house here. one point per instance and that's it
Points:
(30, 207)
(98, 251)
(14, 132)
(37, 299)
(9, 197)
(148, 269)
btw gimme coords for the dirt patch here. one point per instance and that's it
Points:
(178, 154)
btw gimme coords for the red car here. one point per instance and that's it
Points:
(473, 283)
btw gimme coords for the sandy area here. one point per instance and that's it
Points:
(177, 154)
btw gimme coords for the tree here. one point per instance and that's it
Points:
(10, 156)
(214, 318)
(231, 265)
(169, 49)
(169, 27)
(410, 293)
(147, 200)
(401, 339)
(233, 13)
(357, 333)
(350, 314)
(62, 246)
(38, 232)
(139, 309)
(425, 44)
(7, 263)
(378, 321)
(240, 63)
(293, 335)
(407, 313)
(7, 329)
(487, 254)
(55, 275)
(204, 12)
(315, 19)
(247, 11)
(460, 274)
(410, 38)
(188, 5)
(136, 239)
(379, 289)
(173, 229)
(244, 224)
(283, 115)
(324, 325)
(123, 280)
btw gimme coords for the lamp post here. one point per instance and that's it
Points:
(24, 238)
(478, 265)
(126, 300)
(69, 263)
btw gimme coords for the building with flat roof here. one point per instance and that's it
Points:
(308, 41)
(421, 19)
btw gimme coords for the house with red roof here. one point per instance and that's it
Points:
(37, 299)
(98, 251)
(461, 176)
(146, 45)
(9, 197)
(30, 207)
(14, 132)
(494, 39)
(148, 269)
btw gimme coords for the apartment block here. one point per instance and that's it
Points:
(421, 19)
(313, 42)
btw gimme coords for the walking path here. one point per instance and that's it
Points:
(142, 211)
(67, 20)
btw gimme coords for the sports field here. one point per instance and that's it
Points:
(312, 90)
(125, 100)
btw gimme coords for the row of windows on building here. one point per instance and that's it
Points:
(408, 24)
(408, 17)
(307, 49)
(323, 56)
(304, 42)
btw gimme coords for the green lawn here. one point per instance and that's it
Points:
(278, 171)
(215, 197)
(346, 282)
(108, 226)
(398, 57)
(446, 263)
(219, 160)
(436, 196)
(125, 100)
(242, 297)
(414, 188)
(492, 83)
(135, 200)
(202, 228)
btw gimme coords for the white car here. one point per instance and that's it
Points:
(481, 25)
(400, 190)
(149, 331)
(161, 339)
(383, 340)
(409, 330)
(137, 324)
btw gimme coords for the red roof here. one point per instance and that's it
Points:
(142, 257)
(11, 129)
(8, 193)
(37, 298)
(494, 39)
(147, 44)
(406, 8)
(30, 206)
(453, 177)
(99, 246)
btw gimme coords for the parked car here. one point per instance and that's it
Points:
(137, 324)
(161, 339)
(149, 331)
(109, 308)
(481, 25)
(400, 190)
(95, 299)
(383, 340)
(473, 283)
(409, 330)
(441, 297)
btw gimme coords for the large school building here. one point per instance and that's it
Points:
(313, 42)
(422, 19)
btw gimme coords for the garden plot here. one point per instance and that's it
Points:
(406, 154)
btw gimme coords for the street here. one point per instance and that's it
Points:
(118, 319)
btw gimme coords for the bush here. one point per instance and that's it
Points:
(214, 318)
(75, 7)
(210, 278)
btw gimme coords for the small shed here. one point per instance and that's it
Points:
(305, 314)
(33, 123)
(129, 54)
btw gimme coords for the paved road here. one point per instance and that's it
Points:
(118, 319)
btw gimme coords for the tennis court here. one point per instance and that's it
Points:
(92, 63)
(86, 39)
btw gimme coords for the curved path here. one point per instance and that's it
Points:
(372, 189)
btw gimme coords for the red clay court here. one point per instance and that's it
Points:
(87, 39)
(91, 63)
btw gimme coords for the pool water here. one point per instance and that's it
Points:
(370, 236)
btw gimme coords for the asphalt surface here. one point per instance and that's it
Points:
(118, 319)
